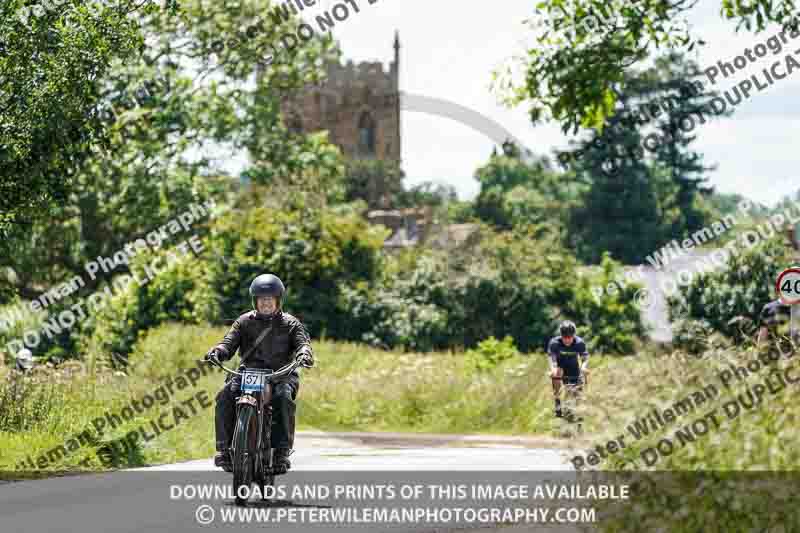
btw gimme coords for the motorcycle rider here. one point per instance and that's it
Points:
(564, 352)
(266, 338)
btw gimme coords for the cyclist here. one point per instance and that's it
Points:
(774, 319)
(564, 352)
(267, 338)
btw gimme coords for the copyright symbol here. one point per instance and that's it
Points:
(204, 514)
(643, 298)
(611, 167)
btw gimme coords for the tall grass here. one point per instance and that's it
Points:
(354, 387)
(736, 477)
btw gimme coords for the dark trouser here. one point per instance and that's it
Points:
(283, 409)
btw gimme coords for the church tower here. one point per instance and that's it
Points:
(359, 105)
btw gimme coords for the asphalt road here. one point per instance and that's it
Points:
(146, 500)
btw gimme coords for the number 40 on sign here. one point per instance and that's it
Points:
(788, 287)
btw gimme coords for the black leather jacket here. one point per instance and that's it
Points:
(282, 338)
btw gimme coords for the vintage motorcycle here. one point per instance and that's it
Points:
(251, 450)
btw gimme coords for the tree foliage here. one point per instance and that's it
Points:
(378, 183)
(584, 46)
(717, 297)
(518, 283)
(163, 112)
(643, 188)
(515, 192)
(51, 69)
(317, 253)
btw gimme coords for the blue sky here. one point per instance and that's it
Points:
(449, 50)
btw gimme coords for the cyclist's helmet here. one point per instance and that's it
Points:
(267, 285)
(567, 328)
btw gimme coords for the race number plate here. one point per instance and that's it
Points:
(253, 381)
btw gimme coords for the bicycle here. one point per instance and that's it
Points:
(252, 455)
(572, 393)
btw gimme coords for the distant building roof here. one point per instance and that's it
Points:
(412, 227)
(452, 235)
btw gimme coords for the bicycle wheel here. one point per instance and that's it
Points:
(574, 417)
(244, 447)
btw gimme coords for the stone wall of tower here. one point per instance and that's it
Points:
(349, 92)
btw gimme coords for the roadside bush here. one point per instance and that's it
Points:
(491, 352)
(523, 284)
(22, 319)
(116, 326)
(740, 289)
(167, 349)
(316, 252)
(406, 309)
(506, 284)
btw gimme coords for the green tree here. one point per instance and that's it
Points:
(377, 182)
(51, 69)
(619, 212)
(317, 252)
(687, 107)
(516, 192)
(517, 283)
(644, 187)
(584, 46)
(160, 114)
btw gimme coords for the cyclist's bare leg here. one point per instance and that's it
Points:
(556, 381)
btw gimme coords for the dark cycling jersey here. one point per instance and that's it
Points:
(566, 357)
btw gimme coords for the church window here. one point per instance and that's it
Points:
(366, 135)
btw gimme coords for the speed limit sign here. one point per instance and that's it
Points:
(788, 286)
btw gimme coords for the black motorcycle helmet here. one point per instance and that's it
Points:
(567, 328)
(266, 285)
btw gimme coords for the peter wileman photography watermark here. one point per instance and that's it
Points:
(109, 452)
(663, 258)
(447, 502)
(67, 318)
(281, 13)
(717, 106)
(772, 376)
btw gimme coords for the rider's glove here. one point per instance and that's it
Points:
(305, 360)
(212, 355)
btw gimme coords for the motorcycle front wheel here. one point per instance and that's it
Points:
(244, 450)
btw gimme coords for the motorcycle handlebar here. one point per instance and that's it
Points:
(277, 373)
